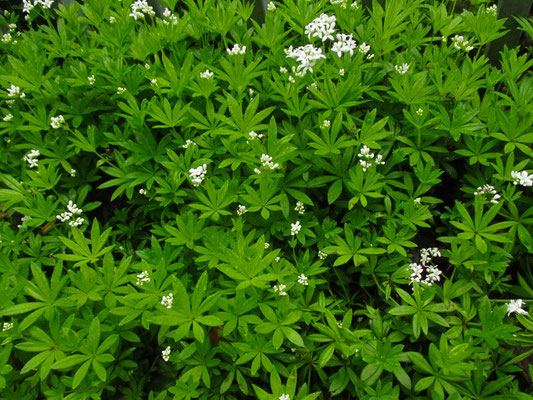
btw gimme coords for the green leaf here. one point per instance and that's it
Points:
(70, 361)
(100, 370)
(326, 355)
(80, 374)
(293, 336)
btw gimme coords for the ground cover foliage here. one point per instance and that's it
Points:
(334, 203)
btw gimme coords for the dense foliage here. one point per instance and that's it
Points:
(334, 203)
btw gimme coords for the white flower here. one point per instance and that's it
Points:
(432, 272)
(326, 124)
(280, 290)
(142, 191)
(77, 222)
(6, 38)
(493, 10)
(73, 208)
(515, 306)
(277, 259)
(341, 72)
(31, 158)
(302, 280)
(271, 6)
(339, 325)
(322, 27)
(283, 70)
(354, 6)
(402, 69)
(488, 189)
(295, 228)
(344, 44)
(8, 117)
(254, 135)
(146, 66)
(206, 74)
(322, 255)
(241, 210)
(141, 7)
(22, 220)
(420, 111)
(368, 159)
(170, 18)
(307, 56)
(364, 48)
(91, 79)
(460, 43)
(237, 49)
(266, 160)
(284, 397)
(370, 56)
(142, 278)
(197, 175)
(73, 172)
(291, 79)
(14, 91)
(522, 178)
(188, 143)
(300, 207)
(120, 90)
(417, 201)
(7, 326)
(154, 82)
(112, 20)
(167, 301)
(56, 122)
(257, 171)
(267, 245)
(165, 354)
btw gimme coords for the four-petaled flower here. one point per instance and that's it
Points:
(515, 306)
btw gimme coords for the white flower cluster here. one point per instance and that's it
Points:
(143, 278)
(31, 158)
(267, 245)
(14, 91)
(420, 111)
(522, 178)
(198, 174)
(322, 27)
(322, 255)
(120, 90)
(493, 10)
(142, 191)
(280, 290)
(341, 72)
(364, 48)
(302, 280)
(402, 69)
(241, 210)
(254, 135)
(141, 7)
(515, 306)
(326, 124)
(344, 44)
(284, 397)
(206, 74)
(271, 6)
(342, 3)
(307, 56)
(237, 49)
(170, 18)
(7, 326)
(73, 172)
(432, 272)
(8, 117)
(24, 218)
(165, 354)
(188, 143)
(57, 122)
(27, 5)
(7, 37)
(460, 43)
(91, 79)
(299, 207)
(266, 160)
(295, 228)
(72, 210)
(488, 189)
(368, 159)
(167, 301)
